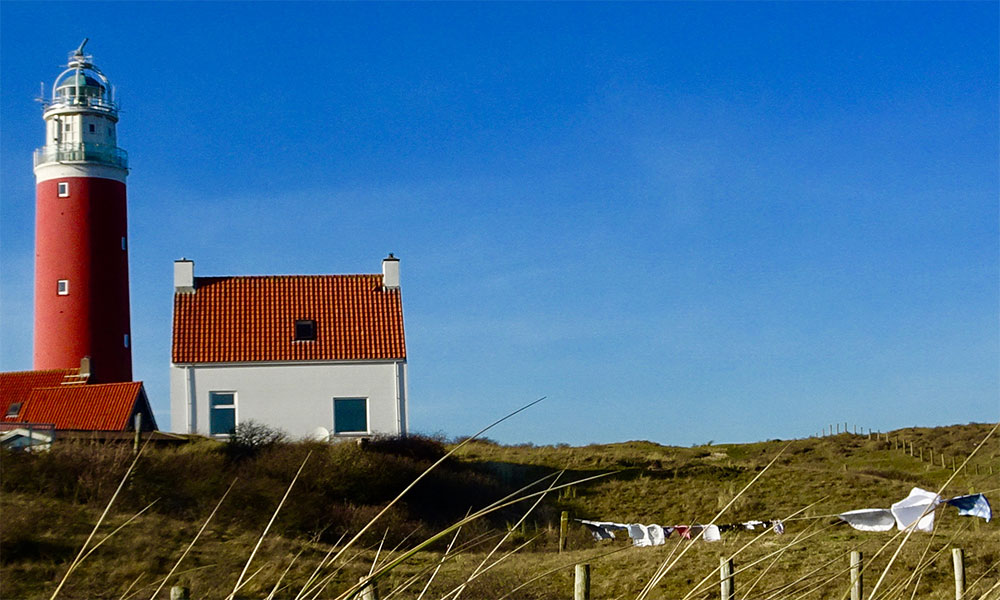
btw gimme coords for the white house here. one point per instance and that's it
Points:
(313, 355)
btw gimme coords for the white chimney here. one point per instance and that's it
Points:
(390, 272)
(183, 276)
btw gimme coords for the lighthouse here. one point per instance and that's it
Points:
(81, 237)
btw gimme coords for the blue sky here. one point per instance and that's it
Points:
(679, 222)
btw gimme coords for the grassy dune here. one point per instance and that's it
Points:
(51, 501)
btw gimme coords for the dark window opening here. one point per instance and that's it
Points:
(305, 330)
(93, 128)
(13, 409)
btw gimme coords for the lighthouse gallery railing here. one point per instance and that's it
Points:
(82, 152)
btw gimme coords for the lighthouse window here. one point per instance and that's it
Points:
(93, 128)
(126, 340)
(62, 287)
(63, 189)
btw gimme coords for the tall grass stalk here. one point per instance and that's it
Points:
(127, 522)
(269, 523)
(500, 504)
(277, 584)
(976, 582)
(561, 567)
(378, 552)
(706, 580)
(913, 526)
(132, 585)
(444, 557)
(507, 535)
(319, 566)
(426, 471)
(80, 556)
(195, 540)
(777, 557)
(448, 555)
(665, 567)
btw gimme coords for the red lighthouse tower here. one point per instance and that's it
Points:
(81, 238)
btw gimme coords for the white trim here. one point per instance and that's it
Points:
(49, 171)
(62, 287)
(62, 189)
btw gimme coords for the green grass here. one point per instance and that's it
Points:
(50, 502)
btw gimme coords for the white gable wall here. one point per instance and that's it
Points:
(294, 397)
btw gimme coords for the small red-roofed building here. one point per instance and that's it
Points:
(16, 387)
(62, 400)
(313, 355)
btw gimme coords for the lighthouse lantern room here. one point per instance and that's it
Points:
(81, 237)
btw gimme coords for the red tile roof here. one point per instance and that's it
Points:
(16, 386)
(98, 407)
(248, 319)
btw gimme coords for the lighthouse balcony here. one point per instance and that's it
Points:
(70, 99)
(104, 154)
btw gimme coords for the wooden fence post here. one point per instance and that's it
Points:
(180, 593)
(581, 584)
(727, 585)
(369, 592)
(857, 587)
(953, 464)
(563, 529)
(911, 448)
(957, 559)
(138, 433)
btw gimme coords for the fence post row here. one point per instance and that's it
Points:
(369, 592)
(138, 433)
(180, 593)
(857, 587)
(581, 583)
(563, 529)
(727, 584)
(957, 559)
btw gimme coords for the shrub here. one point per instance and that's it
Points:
(248, 439)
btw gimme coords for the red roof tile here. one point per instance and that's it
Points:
(248, 319)
(16, 386)
(98, 407)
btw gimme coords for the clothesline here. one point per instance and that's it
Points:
(916, 511)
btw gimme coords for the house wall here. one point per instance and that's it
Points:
(296, 398)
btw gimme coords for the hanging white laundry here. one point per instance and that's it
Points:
(640, 535)
(657, 536)
(912, 510)
(711, 533)
(869, 519)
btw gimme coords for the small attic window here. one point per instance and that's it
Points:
(305, 330)
(13, 409)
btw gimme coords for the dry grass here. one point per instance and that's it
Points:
(50, 504)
